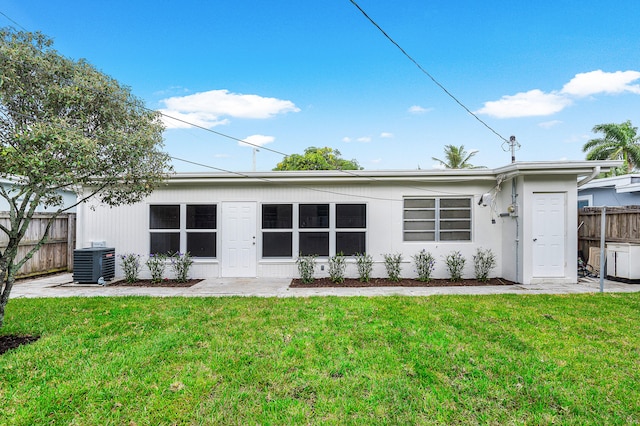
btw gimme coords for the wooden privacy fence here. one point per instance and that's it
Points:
(622, 225)
(56, 254)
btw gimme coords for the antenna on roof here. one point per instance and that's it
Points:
(254, 158)
(513, 145)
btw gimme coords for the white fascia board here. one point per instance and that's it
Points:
(332, 176)
(634, 187)
(576, 168)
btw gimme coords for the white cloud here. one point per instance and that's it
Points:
(376, 161)
(549, 124)
(346, 139)
(178, 120)
(591, 83)
(386, 135)
(538, 103)
(206, 108)
(259, 140)
(364, 139)
(525, 104)
(417, 109)
(577, 138)
(171, 90)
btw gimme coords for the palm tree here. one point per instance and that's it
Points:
(620, 142)
(457, 158)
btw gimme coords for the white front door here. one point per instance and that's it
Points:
(549, 234)
(238, 240)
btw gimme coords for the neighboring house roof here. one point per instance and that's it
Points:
(622, 184)
(69, 197)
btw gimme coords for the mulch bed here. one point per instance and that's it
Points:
(12, 341)
(404, 282)
(148, 283)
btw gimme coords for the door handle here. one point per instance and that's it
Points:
(535, 239)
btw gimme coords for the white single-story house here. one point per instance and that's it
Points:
(621, 190)
(256, 224)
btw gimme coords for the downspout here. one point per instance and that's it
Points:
(594, 173)
(514, 197)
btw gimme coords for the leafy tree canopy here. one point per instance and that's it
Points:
(457, 158)
(618, 142)
(66, 125)
(317, 159)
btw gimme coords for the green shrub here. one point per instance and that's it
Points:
(156, 264)
(455, 264)
(337, 266)
(306, 268)
(483, 262)
(392, 263)
(425, 263)
(364, 262)
(181, 263)
(130, 264)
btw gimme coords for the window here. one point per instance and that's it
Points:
(182, 228)
(585, 201)
(314, 243)
(437, 219)
(277, 234)
(313, 229)
(314, 216)
(166, 219)
(201, 224)
(350, 217)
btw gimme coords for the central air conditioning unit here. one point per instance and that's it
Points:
(91, 264)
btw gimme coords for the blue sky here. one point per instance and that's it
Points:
(289, 74)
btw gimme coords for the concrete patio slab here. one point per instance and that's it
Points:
(62, 285)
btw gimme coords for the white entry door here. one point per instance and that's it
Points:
(238, 240)
(549, 234)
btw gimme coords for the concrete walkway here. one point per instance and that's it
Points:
(62, 286)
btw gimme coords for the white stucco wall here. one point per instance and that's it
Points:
(126, 227)
(510, 238)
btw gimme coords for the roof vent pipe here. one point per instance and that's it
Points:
(594, 173)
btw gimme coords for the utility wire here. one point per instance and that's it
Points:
(426, 72)
(3, 14)
(256, 146)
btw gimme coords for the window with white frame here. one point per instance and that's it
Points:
(585, 201)
(437, 219)
(277, 230)
(313, 229)
(183, 228)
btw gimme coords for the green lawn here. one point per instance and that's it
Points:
(388, 360)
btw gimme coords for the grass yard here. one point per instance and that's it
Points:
(539, 359)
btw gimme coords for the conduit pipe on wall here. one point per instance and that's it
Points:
(514, 198)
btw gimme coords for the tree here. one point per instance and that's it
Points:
(620, 142)
(457, 158)
(317, 159)
(65, 125)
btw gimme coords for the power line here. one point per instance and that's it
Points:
(3, 14)
(427, 73)
(348, 172)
